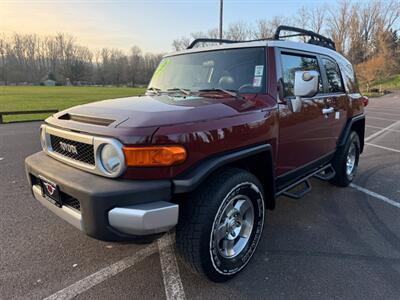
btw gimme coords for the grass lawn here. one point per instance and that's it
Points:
(372, 94)
(15, 98)
(390, 83)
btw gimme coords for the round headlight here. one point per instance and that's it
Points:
(111, 159)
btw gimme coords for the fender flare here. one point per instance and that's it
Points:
(347, 130)
(191, 179)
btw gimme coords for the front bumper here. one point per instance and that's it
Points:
(109, 209)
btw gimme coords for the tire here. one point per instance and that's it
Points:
(345, 161)
(206, 216)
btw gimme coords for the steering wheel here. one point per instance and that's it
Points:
(246, 85)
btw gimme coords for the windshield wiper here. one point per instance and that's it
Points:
(187, 92)
(154, 90)
(228, 92)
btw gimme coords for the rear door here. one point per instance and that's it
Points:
(336, 100)
(304, 136)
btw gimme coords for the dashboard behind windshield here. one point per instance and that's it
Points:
(241, 70)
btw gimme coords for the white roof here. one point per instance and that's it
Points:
(270, 43)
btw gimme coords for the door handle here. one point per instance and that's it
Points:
(328, 110)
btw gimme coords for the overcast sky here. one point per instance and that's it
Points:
(151, 24)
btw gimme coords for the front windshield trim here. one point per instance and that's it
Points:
(209, 50)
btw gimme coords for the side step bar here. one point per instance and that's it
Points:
(299, 192)
(326, 174)
(300, 188)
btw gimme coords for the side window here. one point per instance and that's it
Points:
(292, 63)
(335, 84)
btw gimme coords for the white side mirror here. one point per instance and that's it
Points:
(305, 85)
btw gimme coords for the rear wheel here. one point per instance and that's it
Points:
(345, 162)
(221, 224)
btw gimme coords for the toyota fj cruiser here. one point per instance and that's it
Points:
(221, 133)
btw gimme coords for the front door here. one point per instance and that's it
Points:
(304, 136)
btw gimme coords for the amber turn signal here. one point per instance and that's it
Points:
(156, 156)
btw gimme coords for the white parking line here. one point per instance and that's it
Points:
(90, 281)
(382, 147)
(393, 109)
(382, 108)
(1, 158)
(375, 195)
(169, 266)
(385, 119)
(374, 135)
(382, 113)
(376, 127)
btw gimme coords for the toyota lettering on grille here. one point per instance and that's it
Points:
(68, 148)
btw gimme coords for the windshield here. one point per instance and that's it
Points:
(240, 70)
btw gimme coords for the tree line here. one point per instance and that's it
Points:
(29, 58)
(365, 32)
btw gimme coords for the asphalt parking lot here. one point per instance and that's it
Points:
(335, 243)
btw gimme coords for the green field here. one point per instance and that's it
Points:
(16, 98)
(390, 83)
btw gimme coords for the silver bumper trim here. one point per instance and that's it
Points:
(66, 213)
(144, 219)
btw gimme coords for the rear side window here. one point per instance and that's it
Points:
(335, 84)
(292, 63)
(348, 76)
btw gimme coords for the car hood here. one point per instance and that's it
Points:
(156, 111)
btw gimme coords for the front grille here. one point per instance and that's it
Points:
(84, 152)
(67, 200)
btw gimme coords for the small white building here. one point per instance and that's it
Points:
(49, 82)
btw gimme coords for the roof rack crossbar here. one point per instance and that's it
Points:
(207, 40)
(292, 35)
(315, 38)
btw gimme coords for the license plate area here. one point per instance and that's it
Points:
(50, 191)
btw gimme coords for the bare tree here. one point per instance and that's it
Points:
(317, 18)
(390, 13)
(338, 24)
(135, 65)
(369, 16)
(303, 19)
(238, 31)
(356, 50)
(4, 49)
(180, 44)
(265, 29)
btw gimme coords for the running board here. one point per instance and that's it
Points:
(300, 192)
(324, 173)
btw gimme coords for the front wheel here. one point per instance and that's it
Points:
(221, 224)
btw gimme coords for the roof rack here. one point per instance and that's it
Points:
(207, 40)
(315, 38)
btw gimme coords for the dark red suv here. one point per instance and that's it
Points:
(222, 131)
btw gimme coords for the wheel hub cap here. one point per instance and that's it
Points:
(235, 226)
(351, 160)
